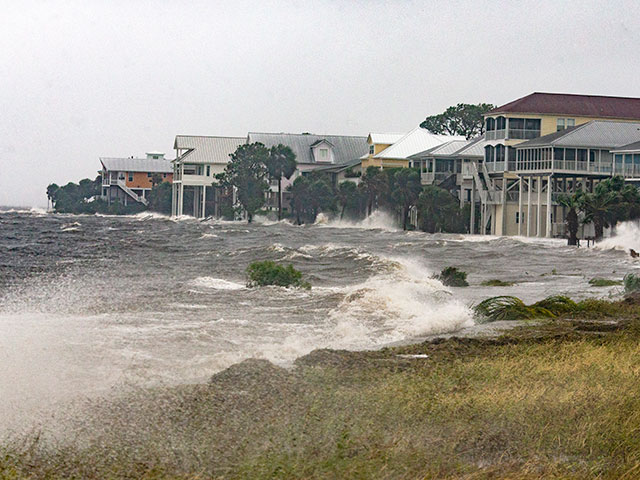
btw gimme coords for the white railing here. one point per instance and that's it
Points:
(427, 178)
(138, 198)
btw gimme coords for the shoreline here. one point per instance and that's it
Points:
(546, 399)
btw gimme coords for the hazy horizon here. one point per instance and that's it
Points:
(92, 79)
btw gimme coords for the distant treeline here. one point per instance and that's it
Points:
(85, 197)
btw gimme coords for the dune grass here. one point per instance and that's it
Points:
(603, 282)
(496, 283)
(555, 400)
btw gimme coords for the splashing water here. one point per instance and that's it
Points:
(378, 220)
(140, 300)
(627, 237)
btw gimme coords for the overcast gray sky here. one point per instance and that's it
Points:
(84, 79)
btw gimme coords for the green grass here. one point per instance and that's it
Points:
(558, 400)
(603, 282)
(496, 283)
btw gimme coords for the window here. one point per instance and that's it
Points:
(524, 128)
(324, 153)
(562, 123)
(517, 217)
(208, 170)
(155, 157)
(131, 176)
(570, 154)
(148, 174)
(582, 155)
(372, 149)
(164, 175)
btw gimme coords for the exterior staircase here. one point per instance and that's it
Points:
(138, 198)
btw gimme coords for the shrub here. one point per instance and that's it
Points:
(270, 273)
(603, 282)
(496, 283)
(452, 277)
(631, 283)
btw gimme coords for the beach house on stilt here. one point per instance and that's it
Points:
(545, 144)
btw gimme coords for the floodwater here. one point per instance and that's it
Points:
(93, 303)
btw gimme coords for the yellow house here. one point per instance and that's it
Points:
(392, 150)
(377, 143)
(502, 185)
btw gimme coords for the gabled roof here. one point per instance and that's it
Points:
(593, 134)
(417, 140)
(569, 104)
(323, 140)
(207, 149)
(384, 138)
(456, 148)
(475, 148)
(136, 165)
(632, 147)
(338, 168)
(345, 148)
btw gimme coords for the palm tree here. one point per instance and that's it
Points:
(371, 185)
(51, 193)
(347, 195)
(598, 208)
(573, 203)
(281, 162)
(406, 189)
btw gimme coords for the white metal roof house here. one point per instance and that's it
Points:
(313, 152)
(198, 160)
(131, 179)
(398, 152)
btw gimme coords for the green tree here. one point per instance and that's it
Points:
(247, 172)
(52, 188)
(462, 119)
(299, 197)
(372, 186)
(281, 162)
(439, 211)
(156, 179)
(405, 191)
(573, 203)
(160, 198)
(598, 207)
(311, 195)
(349, 198)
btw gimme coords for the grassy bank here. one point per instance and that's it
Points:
(553, 400)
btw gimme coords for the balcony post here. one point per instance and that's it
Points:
(529, 183)
(549, 192)
(520, 206)
(473, 207)
(539, 210)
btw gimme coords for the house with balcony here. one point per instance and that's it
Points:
(449, 166)
(518, 170)
(127, 180)
(198, 160)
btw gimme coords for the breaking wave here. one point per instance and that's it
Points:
(400, 303)
(378, 220)
(627, 237)
(216, 283)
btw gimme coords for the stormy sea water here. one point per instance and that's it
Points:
(91, 304)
